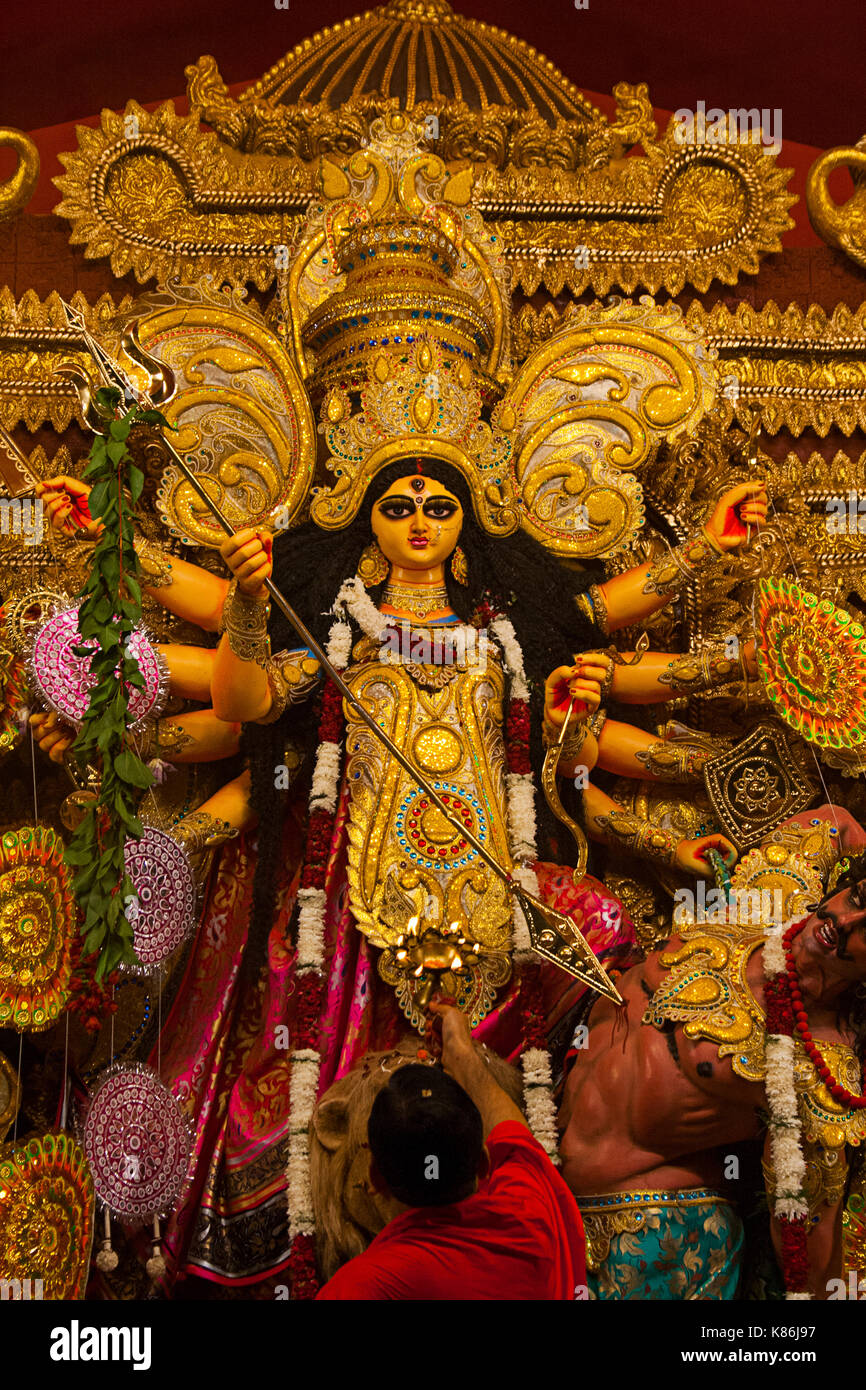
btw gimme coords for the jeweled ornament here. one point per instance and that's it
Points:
(37, 927)
(163, 911)
(64, 680)
(812, 660)
(46, 1215)
(137, 1142)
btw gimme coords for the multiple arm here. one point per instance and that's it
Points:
(188, 591)
(636, 594)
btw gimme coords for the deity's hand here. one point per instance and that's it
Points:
(749, 661)
(65, 500)
(691, 854)
(583, 681)
(248, 555)
(53, 736)
(736, 511)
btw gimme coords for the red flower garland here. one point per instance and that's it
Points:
(795, 1253)
(517, 730)
(93, 1000)
(785, 1016)
(532, 1018)
(801, 1023)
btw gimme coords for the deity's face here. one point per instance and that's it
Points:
(833, 948)
(417, 522)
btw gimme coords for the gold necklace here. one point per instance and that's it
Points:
(416, 598)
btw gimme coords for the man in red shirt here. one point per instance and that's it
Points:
(469, 1220)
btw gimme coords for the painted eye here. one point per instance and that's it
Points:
(440, 510)
(396, 511)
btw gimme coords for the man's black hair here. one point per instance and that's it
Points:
(426, 1137)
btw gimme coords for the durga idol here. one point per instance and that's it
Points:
(409, 540)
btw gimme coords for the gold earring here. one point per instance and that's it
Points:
(373, 568)
(459, 567)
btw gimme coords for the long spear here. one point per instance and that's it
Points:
(553, 935)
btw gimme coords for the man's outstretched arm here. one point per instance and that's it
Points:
(462, 1060)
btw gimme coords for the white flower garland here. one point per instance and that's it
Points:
(523, 845)
(304, 1062)
(786, 1132)
(303, 1086)
(522, 832)
(538, 1099)
(503, 630)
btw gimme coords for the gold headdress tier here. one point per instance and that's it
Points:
(414, 404)
(394, 252)
(398, 289)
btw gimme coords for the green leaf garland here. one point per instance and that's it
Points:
(109, 611)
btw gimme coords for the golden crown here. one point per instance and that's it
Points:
(414, 404)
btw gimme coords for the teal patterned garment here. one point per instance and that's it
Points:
(662, 1245)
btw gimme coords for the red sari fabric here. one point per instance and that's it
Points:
(518, 1237)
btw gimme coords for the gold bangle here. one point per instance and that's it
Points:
(674, 762)
(673, 572)
(641, 836)
(200, 831)
(599, 608)
(699, 671)
(291, 678)
(245, 623)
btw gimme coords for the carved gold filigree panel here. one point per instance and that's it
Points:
(589, 408)
(173, 200)
(17, 190)
(244, 420)
(34, 342)
(800, 368)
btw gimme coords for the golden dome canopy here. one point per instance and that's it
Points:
(420, 51)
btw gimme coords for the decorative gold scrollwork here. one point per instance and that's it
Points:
(590, 406)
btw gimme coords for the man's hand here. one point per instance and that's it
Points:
(736, 511)
(65, 500)
(248, 555)
(457, 1044)
(462, 1059)
(692, 858)
(583, 681)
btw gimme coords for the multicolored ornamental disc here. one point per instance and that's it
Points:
(812, 660)
(37, 928)
(65, 680)
(163, 911)
(137, 1142)
(46, 1216)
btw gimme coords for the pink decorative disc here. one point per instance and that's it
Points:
(137, 1142)
(64, 680)
(163, 912)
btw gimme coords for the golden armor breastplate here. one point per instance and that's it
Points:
(417, 889)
